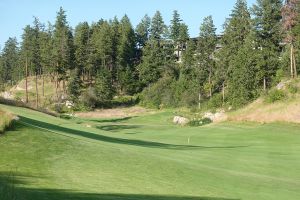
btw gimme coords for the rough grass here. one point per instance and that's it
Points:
(116, 112)
(147, 158)
(279, 109)
(5, 120)
(260, 111)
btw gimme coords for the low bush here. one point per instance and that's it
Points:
(199, 122)
(275, 95)
(124, 101)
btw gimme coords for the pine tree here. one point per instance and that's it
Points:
(236, 30)
(62, 39)
(26, 55)
(126, 55)
(81, 44)
(75, 85)
(46, 47)
(175, 26)
(158, 27)
(205, 50)
(103, 87)
(268, 35)
(10, 56)
(36, 55)
(151, 67)
(143, 31)
(243, 85)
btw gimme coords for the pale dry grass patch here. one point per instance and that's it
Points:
(259, 111)
(116, 112)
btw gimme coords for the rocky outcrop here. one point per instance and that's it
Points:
(180, 120)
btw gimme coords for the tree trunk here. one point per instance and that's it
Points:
(199, 104)
(209, 81)
(26, 79)
(36, 90)
(56, 84)
(265, 84)
(178, 45)
(291, 59)
(294, 64)
(43, 78)
(223, 92)
(64, 86)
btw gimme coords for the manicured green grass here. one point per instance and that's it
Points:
(147, 158)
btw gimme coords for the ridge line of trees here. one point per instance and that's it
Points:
(93, 63)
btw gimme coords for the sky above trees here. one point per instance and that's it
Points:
(16, 14)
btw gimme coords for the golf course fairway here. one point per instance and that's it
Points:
(147, 158)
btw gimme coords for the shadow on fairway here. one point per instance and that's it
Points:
(61, 130)
(112, 120)
(11, 189)
(116, 128)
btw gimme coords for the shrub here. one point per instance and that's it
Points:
(275, 95)
(124, 101)
(215, 102)
(89, 98)
(199, 122)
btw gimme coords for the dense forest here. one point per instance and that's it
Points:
(160, 65)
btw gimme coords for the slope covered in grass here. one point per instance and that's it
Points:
(281, 104)
(147, 158)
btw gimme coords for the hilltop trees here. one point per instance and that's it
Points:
(109, 58)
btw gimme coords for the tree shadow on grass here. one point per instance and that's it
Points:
(115, 120)
(12, 187)
(117, 128)
(95, 136)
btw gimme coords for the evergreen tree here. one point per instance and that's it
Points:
(62, 43)
(205, 50)
(46, 47)
(143, 31)
(158, 27)
(242, 85)
(267, 20)
(151, 67)
(81, 42)
(103, 87)
(10, 67)
(175, 26)
(26, 55)
(36, 55)
(75, 85)
(236, 30)
(189, 61)
(126, 55)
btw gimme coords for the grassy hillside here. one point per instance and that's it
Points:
(281, 104)
(18, 91)
(147, 158)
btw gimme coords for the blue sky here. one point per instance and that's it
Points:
(16, 14)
